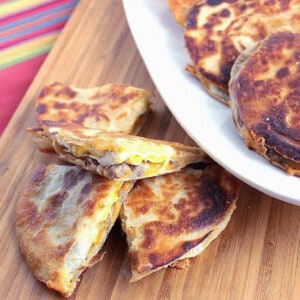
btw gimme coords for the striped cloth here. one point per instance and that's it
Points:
(28, 30)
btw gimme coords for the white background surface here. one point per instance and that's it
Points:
(160, 41)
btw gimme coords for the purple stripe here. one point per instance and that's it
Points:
(34, 17)
(32, 29)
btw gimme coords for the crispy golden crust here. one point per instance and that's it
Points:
(181, 8)
(265, 99)
(62, 220)
(218, 31)
(172, 217)
(115, 155)
(111, 107)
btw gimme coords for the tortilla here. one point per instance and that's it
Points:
(170, 218)
(265, 95)
(111, 107)
(62, 221)
(217, 32)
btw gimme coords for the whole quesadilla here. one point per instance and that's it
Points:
(115, 155)
(62, 221)
(170, 218)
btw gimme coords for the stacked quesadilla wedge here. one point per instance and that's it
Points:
(115, 155)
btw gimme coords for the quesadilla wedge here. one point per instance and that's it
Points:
(115, 155)
(170, 218)
(265, 95)
(111, 107)
(62, 220)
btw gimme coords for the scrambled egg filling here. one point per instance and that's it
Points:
(125, 150)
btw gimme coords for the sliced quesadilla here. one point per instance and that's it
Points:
(62, 221)
(265, 95)
(170, 218)
(218, 31)
(115, 155)
(111, 107)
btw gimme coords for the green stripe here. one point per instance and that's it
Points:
(25, 56)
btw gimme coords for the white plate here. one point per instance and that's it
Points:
(161, 44)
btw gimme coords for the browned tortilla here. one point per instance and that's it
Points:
(62, 220)
(173, 217)
(265, 99)
(218, 31)
(111, 107)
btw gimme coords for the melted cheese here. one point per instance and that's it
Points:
(151, 152)
(112, 197)
(130, 151)
(92, 235)
(115, 213)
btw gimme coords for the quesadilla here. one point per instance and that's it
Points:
(111, 107)
(218, 31)
(181, 8)
(170, 218)
(265, 95)
(62, 221)
(115, 155)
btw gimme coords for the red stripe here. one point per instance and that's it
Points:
(15, 81)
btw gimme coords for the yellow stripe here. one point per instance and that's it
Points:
(15, 6)
(27, 50)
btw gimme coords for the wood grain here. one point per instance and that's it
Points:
(256, 257)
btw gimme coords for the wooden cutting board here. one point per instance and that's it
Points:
(256, 257)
